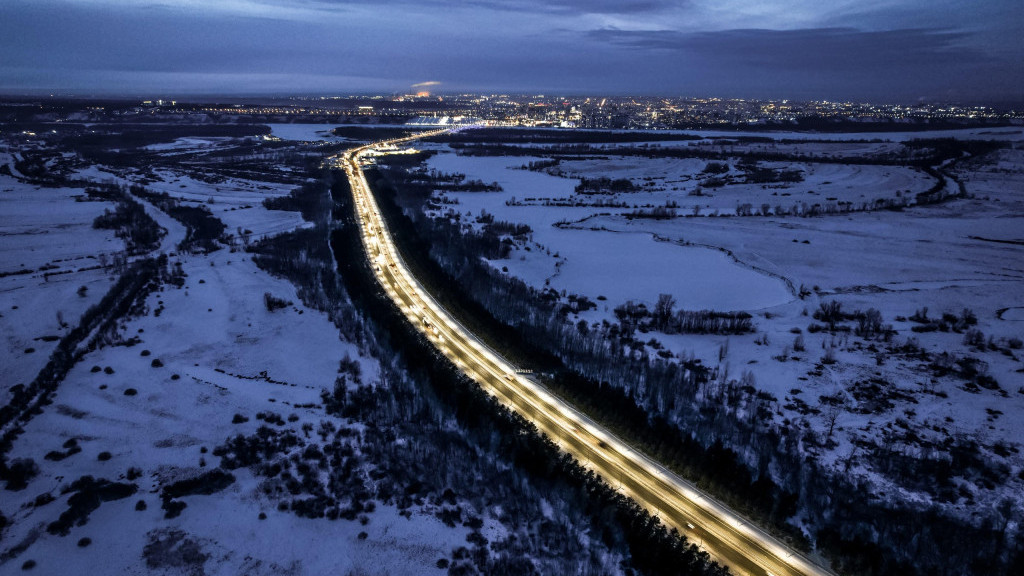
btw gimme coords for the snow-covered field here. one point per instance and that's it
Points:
(619, 267)
(47, 234)
(230, 357)
(162, 399)
(236, 202)
(304, 132)
(200, 364)
(189, 144)
(966, 253)
(638, 266)
(679, 180)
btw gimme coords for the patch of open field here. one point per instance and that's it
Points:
(52, 268)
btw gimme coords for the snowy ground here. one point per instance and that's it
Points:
(619, 267)
(305, 132)
(48, 234)
(966, 253)
(221, 352)
(160, 401)
(190, 144)
(677, 180)
(232, 357)
(236, 202)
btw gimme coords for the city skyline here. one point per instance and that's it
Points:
(886, 51)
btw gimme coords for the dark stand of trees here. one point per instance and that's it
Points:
(605, 185)
(203, 229)
(920, 153)
(129, 220)
(541, 136)
(665, 318)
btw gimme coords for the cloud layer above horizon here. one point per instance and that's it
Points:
(882, 50)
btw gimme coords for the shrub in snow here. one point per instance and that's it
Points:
(975, 338)
(89, 494)
(830, 356)
(173, 552)
(208, 483)
(19, 472)
(273, 302)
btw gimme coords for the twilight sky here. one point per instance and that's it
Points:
(883, 50)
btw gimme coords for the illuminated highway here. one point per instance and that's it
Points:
(727, 537)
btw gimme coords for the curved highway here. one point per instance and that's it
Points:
(726, 536)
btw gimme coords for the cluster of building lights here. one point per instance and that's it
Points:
(425, 109)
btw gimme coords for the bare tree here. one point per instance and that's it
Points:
(663, 311)
(832, 407)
